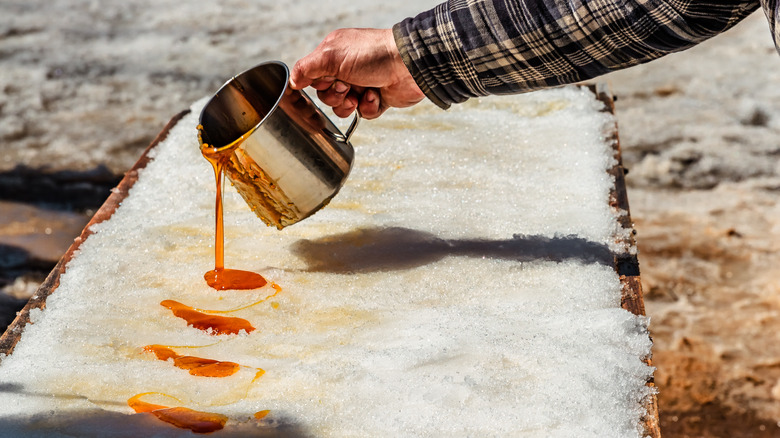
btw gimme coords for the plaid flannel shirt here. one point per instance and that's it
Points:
(468, 48)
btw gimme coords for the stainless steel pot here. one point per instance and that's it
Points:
(281, 152)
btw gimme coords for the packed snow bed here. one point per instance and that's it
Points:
(460, 284)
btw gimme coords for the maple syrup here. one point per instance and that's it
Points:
(185, 418)
(223, 279)
(220, 278)
(219, 325)
(197, 366)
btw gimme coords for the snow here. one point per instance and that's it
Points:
(460, 284)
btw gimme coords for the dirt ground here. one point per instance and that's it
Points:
(712, 294)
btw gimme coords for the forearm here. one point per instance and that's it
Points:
(460, 50)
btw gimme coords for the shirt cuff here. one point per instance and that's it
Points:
(433, 54)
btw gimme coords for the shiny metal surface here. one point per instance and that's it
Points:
(286, 158)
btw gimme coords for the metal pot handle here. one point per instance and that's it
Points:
(344, 138)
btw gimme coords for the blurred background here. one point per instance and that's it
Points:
(86, 85)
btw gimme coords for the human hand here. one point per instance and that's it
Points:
(358, 68)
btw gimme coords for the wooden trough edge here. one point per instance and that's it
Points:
(626, 265)
(13, 333)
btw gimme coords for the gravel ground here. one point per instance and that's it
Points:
(86, 85)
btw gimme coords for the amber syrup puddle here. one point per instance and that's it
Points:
(219, 325)
(185, 418)
(206, 320)
(197, 366)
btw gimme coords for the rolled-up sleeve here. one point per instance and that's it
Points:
(468, 48)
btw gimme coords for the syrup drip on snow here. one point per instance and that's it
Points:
(222, 279)
(185, 418)
(219, 325)
(197, 366)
